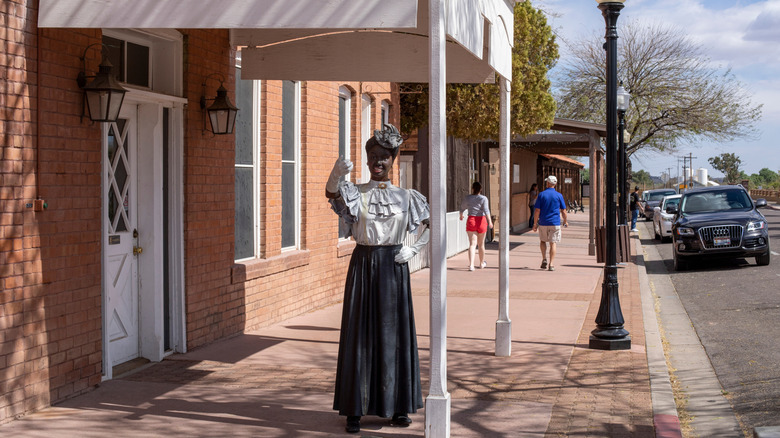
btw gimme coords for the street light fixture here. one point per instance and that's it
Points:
(622, 105)
(609, 333)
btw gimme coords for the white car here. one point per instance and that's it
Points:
(662, 221)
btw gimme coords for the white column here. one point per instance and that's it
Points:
(437, 404)
(503, 324)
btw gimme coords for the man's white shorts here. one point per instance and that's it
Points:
(550, 233)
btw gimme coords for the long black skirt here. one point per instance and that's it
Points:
(378, 367)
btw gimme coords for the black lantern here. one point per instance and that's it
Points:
(104, 95)
(222, 113)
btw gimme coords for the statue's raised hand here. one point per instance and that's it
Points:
(341, 167)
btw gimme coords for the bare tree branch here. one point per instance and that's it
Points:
(677, 96)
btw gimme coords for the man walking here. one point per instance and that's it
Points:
(548, 209)
(635, 206)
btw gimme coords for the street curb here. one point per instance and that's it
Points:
(665, 418)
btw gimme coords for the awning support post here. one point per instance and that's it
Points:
(503, 324)
(437, 404)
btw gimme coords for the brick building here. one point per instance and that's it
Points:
(152, 235)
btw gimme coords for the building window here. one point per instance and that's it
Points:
(291, 193)
(366, 133)
(385, 113)
(345, 137)
(247, 169)
(130, 61)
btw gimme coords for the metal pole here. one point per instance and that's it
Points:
(609, 333)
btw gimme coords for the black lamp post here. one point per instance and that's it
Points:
(622, 105)
(609, 333)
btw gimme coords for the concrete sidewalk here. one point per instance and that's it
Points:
(278, 381)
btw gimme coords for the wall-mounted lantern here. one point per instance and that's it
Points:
(221, 113)
(104, 95)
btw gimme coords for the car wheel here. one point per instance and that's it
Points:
(763, 259)
(679, 263)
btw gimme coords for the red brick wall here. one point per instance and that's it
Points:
(50, 330)
(50, 260)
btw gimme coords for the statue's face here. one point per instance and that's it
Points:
(380, 161)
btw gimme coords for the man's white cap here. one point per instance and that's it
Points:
(552, 179)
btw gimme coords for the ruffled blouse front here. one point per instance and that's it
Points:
(379, 213)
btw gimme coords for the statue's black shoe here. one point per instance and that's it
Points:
(401, 420)
(353, 424)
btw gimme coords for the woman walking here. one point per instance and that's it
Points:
(478, 222)
(532, 194)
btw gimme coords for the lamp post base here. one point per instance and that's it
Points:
(596, 343)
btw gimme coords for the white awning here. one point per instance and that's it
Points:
(367, 40)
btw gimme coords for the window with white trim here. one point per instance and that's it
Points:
(247, 169)
(366, 133)
(291, 151)
(385, 113)
(345, 138)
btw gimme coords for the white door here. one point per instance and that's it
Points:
(120, 236)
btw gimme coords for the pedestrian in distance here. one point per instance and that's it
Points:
(548, 210)
(635, 207)
(532, 194)
(478, 222)
(378, 371)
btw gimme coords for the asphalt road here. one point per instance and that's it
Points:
(735, 309)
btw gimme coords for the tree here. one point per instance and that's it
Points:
(677, 96)
(765, 178)
(473, 109)
(728, 164)
(641, 177)
(585, 175)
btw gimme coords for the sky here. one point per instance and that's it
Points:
(741, 34)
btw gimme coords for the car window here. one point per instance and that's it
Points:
(659, 196)
(672, 201)
(715, 201)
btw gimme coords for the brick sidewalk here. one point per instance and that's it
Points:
(607, 393)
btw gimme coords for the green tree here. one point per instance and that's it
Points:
(677, 96)
(765, 178)
(642, 178)
(585, 175)
(473, 109)
(728, 164)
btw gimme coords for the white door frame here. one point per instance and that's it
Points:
(149, 164)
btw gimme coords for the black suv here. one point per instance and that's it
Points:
(719, 221)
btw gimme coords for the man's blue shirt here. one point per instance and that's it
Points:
(550, 203)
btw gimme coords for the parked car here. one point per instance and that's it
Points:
(718, 221)
(662, 221)
(651, 200)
